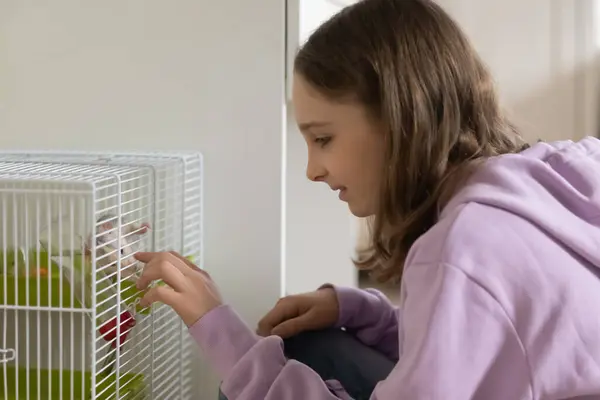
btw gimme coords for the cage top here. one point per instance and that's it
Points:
(30, 168)
(12, 172)
(164, 158)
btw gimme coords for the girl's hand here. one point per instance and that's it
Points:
(190, 291)
(302, 312)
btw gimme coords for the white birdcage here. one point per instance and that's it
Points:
(67, 274)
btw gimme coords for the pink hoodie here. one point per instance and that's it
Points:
(500, 300)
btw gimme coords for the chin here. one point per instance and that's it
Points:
(360, 212)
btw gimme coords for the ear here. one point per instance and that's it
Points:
(106, 226)
(145, 227)
(139, 229)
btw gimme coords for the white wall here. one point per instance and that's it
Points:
(319, 234)
(319, 227)
(542, 54)
(198, 75)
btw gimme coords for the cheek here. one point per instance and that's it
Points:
(372, 165)
(355, 171)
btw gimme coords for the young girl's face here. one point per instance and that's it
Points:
(345, 147)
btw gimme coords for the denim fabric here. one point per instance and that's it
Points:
(336, 354)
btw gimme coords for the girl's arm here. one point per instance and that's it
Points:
(458, 343)
(370, 316)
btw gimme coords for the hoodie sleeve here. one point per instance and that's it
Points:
(457, 344)
(253, 367)
(370, 316)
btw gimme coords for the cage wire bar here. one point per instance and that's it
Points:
(61, 257)
(189, 164)
(167, 167)
(84, 179)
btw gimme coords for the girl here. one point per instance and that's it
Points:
(497, 245)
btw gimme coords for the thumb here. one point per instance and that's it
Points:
(294, 326)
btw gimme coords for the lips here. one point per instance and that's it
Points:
(342, 191)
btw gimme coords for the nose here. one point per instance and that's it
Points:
(315, 170)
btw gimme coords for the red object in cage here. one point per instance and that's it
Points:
(108, 330)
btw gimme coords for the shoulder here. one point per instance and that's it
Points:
(480, 240)
(497, 251)
(472, 228)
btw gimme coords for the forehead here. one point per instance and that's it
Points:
(310, 106)
(308, 103)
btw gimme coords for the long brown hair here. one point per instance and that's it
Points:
(412, 67)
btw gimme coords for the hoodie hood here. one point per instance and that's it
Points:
(555, 185)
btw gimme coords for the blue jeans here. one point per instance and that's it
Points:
(336, 354)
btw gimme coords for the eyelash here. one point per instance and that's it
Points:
(322, 141)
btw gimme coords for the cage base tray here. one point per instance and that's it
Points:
(76, 385)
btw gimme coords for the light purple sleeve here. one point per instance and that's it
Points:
(370, 316)
(457, 344)
(255, 368)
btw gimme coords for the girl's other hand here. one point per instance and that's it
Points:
(303, 312)
(189, 290)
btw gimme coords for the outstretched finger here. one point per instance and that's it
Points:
(167, 256)
(162, 294)
(188, 262)
(146, 256)
(175, 257)
(161, 269)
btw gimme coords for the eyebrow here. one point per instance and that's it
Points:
(304, 126)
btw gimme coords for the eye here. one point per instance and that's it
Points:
(322, 141)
